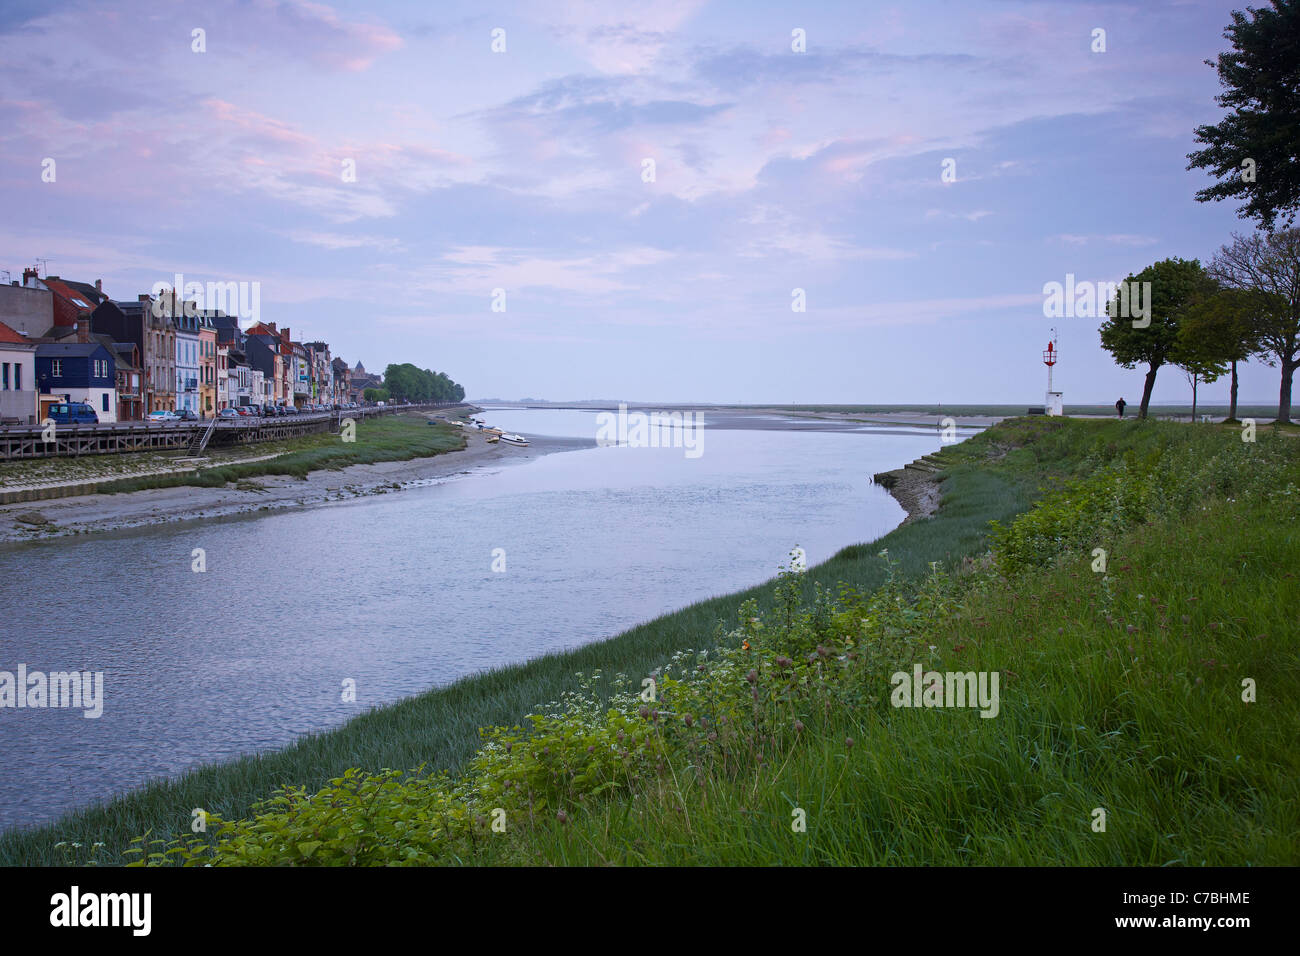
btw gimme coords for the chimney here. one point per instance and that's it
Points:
(83, 328)
(29, 274)
(99, 286)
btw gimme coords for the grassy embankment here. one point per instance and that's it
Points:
(1264, 413)
(1120, 691)
(385, 438)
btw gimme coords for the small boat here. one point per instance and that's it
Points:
(492, 439)
(514, 439)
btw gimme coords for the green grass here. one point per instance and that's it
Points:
(385, 438)
(441, 727)
(1149, 726)
(1264, 412)
(1121, 691)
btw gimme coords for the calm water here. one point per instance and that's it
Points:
(398, 593)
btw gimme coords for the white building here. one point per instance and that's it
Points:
(187, 358)
(17, 378)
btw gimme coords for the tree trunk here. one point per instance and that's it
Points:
(1232, 394)
(1146, 390)
(1194, 381)
(1284, 396)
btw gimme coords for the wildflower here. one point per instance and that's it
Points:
(689, 720)
(745, 645)
(752, 676)
(848, 742)
(562, 817)
(798, 726)
(644, 713)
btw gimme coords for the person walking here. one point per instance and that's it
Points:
(1119, 406)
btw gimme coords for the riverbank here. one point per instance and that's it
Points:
(440, 727)
(261, 493)
(1121, 691)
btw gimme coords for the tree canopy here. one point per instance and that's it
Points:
(1176, 284)
(1267, 266)
(407, 383)
(1252, 151)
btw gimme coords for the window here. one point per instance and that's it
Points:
(18, 377)
(4, 376)
(56, 368)
(104, 397)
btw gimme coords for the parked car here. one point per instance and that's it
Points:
(243, 412)
(186, 415)
(163, 415)
(227, 413)
(73, 413)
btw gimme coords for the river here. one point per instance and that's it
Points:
(398, 591)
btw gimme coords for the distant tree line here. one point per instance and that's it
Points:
(1246, 303)
(406, 383)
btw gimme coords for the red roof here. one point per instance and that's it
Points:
(9, 335)
(63, 291)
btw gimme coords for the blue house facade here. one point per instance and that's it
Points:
(77, 372)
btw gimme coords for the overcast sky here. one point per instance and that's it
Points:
(524, 170)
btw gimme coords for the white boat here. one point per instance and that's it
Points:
(514, 439)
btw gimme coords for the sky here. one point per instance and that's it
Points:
(524, 169)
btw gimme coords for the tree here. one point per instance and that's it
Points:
(1268, 264)
(1223, 326)
(375, 394)
(1175, 284)
(1198, 360)
(1252, 150)
(411, 384)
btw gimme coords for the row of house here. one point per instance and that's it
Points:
(65, 341)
